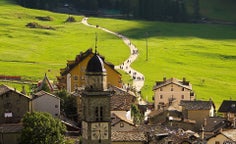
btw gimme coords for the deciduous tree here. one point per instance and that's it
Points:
(41, 128)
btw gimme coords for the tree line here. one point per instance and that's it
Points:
(164, 10)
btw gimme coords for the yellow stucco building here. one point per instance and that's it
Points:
(73, 76)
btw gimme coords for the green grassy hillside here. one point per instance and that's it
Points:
(31, 52)
(204, 54)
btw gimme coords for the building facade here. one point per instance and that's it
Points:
(73, 76)
(171, 89)
(96, 119)
(45, 102)
(13, 105)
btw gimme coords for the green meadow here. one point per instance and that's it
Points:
(31, 52)
(202, 53)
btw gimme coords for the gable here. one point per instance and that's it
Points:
(197, 105)
(6, 90)
(161, 84)
(228, 106)
(82, 60)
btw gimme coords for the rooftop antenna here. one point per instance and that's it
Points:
(96, 40)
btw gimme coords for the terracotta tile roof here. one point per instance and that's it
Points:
(228, 106)
(128, 136)
(4, 89)
(11, 128)
(165, 82)
(197, 105)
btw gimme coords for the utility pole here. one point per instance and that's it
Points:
(146, 34)
(96, 40)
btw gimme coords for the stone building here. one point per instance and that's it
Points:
(96, 117)
(171, 89)
(13, 105)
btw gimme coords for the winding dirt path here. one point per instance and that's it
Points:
(138, 78)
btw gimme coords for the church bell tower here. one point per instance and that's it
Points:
(96, 126)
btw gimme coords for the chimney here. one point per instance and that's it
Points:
(205, 122)
(23, 90)
(234, 123)
(202, 132)
(164, 79)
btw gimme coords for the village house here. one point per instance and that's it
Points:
(213, 126)
(224, 137)
(45, 102)
(45, 84)
(13, 105)
(198, 111)
(10, 133)
(171, 117)
(171, 89)
(120, 122)
(228, 109)
(73, 76)
(121, 100)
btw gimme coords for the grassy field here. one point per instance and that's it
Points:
(204, 54)
(32, 52)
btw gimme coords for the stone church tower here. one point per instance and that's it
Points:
(96, 126)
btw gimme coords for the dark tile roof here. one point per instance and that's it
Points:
(214, 124)
(121, 99)
(11, 128)
(42, 93)
(4, 89)
(197, 105)
(228, 106)
(128, 136)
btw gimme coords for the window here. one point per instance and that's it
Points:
(99, 113)
(56, 106)
(217, 142)
(172, 89)
(160, 89)
(75, 77)
(182, 96)
(182, 89)
(161, 96)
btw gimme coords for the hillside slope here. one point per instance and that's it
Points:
(30, 52)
